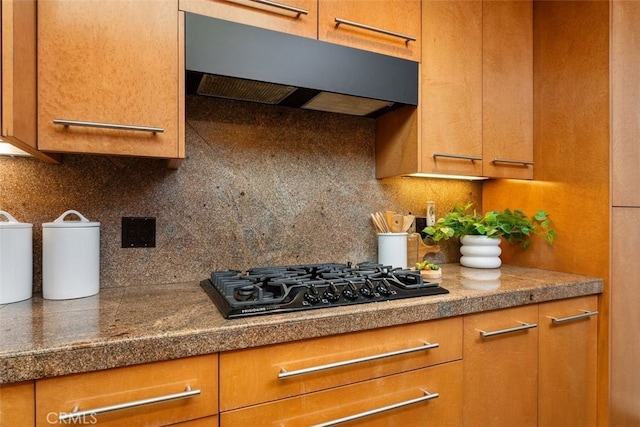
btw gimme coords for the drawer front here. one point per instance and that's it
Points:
(128, 387)
(273, 372)
(428, 396)
(283, 17)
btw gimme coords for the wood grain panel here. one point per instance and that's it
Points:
(507, 95)
(250, 376)
(251, 13)
(500, 373)
(625, 317)
(120, 385)
(446, 380)
(451, 86)
(625, 75)
(567, 385)
(400, 16)
(17, 404)
(97, 64)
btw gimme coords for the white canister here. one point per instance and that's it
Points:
(70, 257)
(16, 259)
(392, 249)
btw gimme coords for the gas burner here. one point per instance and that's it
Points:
(279, 289)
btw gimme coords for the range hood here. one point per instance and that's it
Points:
(230, 60)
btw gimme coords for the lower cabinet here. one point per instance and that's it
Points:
(154, 394)
(17, 404)
(501, 367)
(532, 365)
(567, 360)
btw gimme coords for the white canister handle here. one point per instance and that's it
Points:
(69, 212)
(9, 217)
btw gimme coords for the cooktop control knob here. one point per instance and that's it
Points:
(368, 289)
(350, 291)
(331, 293)
(383, 288)
(312, 295)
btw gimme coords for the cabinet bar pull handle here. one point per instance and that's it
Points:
(513, 161)
(107, 126)
(406, 38)
(77, 414)
(427, 396)
(456, 156)
(584, 314)
(283, 6)
(508, 330)
(285, 374)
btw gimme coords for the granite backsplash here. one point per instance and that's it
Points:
(260, 185)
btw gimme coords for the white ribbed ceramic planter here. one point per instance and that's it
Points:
(480, 252)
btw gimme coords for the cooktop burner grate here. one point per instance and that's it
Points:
(279, 289)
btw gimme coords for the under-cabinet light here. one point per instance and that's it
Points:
(443, 176)
(7, 149)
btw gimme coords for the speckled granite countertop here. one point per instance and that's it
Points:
(129, 325)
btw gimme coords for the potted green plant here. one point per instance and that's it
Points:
(514, 226)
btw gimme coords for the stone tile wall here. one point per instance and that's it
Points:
(260, 185)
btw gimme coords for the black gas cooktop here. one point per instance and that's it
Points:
(281, 289)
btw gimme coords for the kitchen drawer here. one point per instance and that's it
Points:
(88, 391)
(440, 386)
(248, 12)
(254, 375)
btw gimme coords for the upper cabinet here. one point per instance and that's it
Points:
(19, 100)
(390, 27)
(110, 79)
(299, 17)
(507, 95)
(475, 113)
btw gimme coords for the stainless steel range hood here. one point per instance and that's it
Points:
(236, 61)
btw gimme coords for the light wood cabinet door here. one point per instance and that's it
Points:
(19, 99)
(262, 374)
(507, 100)
(625, 317)
(567, 386)
(185, 389)
(374, 25)
(111, 63)
(17, 407)
(625, 93)
(451, 88)
(432, 397)
(501, 369)
(299, 17)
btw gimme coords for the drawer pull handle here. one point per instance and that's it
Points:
(457, 156)
(513, 161)
(584, 314)
(77, 414)
(427, 396)
(285, 374)
(508, 330)
(296, 10)
(406, 38)
(107, 126)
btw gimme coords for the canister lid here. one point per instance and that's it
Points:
(11, 222)
(61, 223)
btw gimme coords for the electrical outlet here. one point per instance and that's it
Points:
(138, 232)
